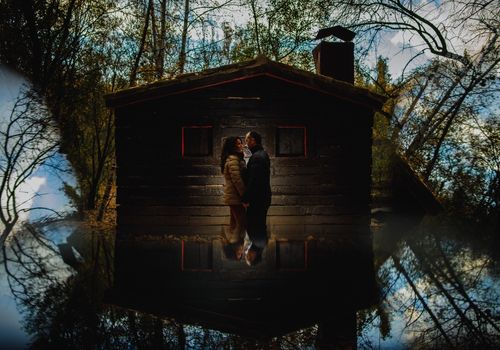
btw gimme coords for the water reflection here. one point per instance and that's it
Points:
(435, 291)
(299, 284)
(439, 290)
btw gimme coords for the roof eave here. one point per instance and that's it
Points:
(260, 66)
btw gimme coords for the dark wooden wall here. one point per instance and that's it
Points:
(326, 192)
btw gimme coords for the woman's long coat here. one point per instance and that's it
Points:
(234, 185)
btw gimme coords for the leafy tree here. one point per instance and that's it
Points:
(62, 47)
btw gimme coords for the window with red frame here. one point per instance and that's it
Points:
(291, 141)
(197, 140)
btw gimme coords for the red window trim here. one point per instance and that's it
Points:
(190, 270)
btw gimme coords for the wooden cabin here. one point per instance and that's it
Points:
(316, 129)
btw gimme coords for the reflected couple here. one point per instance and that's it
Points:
(247, 192)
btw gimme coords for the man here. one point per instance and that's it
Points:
(257, 197)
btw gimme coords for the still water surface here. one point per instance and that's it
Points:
(436, 289)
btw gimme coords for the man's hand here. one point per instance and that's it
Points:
(246, 205)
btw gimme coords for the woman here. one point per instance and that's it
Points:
(233, 167)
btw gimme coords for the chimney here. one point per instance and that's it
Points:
(335, 59)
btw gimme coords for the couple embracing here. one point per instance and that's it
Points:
(247, 192)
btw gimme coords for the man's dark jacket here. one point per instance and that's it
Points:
(258, 191)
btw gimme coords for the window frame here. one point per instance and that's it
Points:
(304, 155)
(183, 140)
(183, 257)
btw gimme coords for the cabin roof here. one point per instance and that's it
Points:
(259, 66)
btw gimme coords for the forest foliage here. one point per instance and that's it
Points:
(441, 115)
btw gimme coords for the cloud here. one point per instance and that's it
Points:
(50, 194)
(458, 23)
(26, 193)
(397, 53)
(42, 189)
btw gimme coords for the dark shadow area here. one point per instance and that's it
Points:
(299, 284)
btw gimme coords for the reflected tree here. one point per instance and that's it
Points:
(65, 308)
(30, 263)
(442, 291)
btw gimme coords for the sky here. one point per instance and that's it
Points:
(45, 181)
(391, 45)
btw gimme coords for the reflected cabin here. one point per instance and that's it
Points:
(317, 129)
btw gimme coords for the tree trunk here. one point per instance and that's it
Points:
(106, 197)
(423, 131)
(181, 336)
(411, 108)
(453, 112)
(401, 269)
(135, 67)
(182, 54)
(428, 271)
(430, 166)
(460, 288)
(59, 56)
(154, 32)
(28, 7)
(5, 233)
(160, 58)
(256, 25)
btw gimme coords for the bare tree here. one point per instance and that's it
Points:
(456, 86)
(142, 43)
(445, 300)
(417, 18)
(185, 25)
(255, 17)
(162, 38)
(28, 138)
(72, 52)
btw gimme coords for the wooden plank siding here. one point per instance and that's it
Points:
(161, 193)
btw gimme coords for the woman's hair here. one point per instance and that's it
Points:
(229, 147)
(229, 250)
